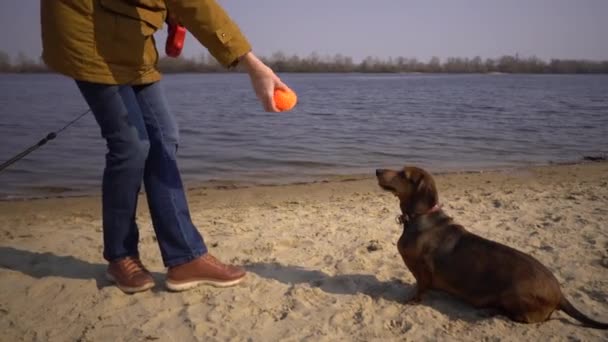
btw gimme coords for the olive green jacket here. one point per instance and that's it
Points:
(111, 41)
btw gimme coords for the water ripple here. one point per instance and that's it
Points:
(342, 124)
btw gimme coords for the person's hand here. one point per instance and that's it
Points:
(263, 80)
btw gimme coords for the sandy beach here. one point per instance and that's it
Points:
(322, 263)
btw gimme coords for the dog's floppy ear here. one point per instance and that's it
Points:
(425, 194)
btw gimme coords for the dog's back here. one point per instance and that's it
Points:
(479, 270)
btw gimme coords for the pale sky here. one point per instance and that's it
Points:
(384, 28)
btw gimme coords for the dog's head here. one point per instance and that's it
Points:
(414, 187)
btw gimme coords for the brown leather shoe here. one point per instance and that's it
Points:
(205, 269)
(130, 275)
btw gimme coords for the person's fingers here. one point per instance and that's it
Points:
(265, 85)
(268, 102)
(267, 105)
(280, 85)
(272, 107)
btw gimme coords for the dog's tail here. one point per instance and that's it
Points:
(568, 308)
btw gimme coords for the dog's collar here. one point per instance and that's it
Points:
(405, 218)
(435, 208)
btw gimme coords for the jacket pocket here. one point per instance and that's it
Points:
(124, 31)
(150, 12)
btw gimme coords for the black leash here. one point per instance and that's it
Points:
(43, 141)
(53, 135)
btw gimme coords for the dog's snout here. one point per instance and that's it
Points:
(379, 172)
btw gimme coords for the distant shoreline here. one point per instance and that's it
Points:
(316, 63)
(491, 73)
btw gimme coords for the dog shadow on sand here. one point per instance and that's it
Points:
(393, 290)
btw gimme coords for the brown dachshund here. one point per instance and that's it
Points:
(442, 255)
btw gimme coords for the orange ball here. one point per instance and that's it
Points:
(285, 99)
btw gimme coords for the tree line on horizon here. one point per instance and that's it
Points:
(316, 63)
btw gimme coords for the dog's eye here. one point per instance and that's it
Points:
(401, 174)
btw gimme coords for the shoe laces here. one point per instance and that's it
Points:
(133, 266)
(213, 260)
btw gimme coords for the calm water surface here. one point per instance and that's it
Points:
(344, 124)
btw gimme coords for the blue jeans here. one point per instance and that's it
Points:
(142, 140)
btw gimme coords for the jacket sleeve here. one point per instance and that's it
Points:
(213, 28)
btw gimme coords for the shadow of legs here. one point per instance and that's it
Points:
(42, 265)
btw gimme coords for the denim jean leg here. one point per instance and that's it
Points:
(178, 238)
(120, 119)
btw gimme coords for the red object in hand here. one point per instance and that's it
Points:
(175, 40)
